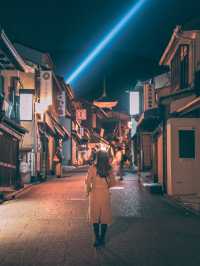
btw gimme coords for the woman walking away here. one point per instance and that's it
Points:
(97, 183)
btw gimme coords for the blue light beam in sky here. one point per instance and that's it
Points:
(105, 41)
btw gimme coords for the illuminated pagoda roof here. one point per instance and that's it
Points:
(104, 101)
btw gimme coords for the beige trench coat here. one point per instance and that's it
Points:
(99, 198)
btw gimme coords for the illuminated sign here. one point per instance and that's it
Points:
(46, 88)
(10, 131)
(101, 132)
(26, 106)
(61, 103)
(134, 103)
(81, 114)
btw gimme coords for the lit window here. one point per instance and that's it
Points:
(187, 144)
(134, 102)
(26, 106)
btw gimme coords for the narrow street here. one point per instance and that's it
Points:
(47, 225)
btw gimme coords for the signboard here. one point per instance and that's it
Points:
(134, 102)
(26, 106)
(46, 87)
(61, 103)
(81, 114)
(102, 132)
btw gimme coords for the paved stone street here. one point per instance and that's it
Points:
(47, 225)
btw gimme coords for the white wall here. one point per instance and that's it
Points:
(183, 174)
(134, 103)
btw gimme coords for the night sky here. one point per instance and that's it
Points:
(69, 30)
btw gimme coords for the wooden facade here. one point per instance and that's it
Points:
(9, 164)
(11, 132)
(175, 134)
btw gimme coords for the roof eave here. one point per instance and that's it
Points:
(19, 60)
(165, 56)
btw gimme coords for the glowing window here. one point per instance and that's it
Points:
(26, 106)
(134, 102)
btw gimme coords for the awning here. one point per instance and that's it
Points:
(176, 95)
(95, 138)
(68, 135)
(76, 137)
(14, 125)
(56, 128)
(86, 133)
(149, 120)
(59, 130)
(50, 125)
(12, 128)
(189, 107)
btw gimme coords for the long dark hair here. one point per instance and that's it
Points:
(102, 164)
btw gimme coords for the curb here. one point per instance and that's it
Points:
(180, 206)
(172, 202)
(17, 192)
(76, 170)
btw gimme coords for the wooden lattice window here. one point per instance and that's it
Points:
(180, 68)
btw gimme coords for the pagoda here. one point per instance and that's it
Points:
(104, 101)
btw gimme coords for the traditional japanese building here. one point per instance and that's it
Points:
(174, 121)
(147, 121)
(39, 91)
(104, 101)
(180, 109)
(11, 132)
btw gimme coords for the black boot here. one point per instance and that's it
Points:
(96, 233)
(103, 233)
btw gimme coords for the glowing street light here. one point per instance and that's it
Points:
(106, 40)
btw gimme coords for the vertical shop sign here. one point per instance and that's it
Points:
(61, 103)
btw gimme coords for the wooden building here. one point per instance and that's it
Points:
(181, 118)
(11, 133)
(174, 121)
